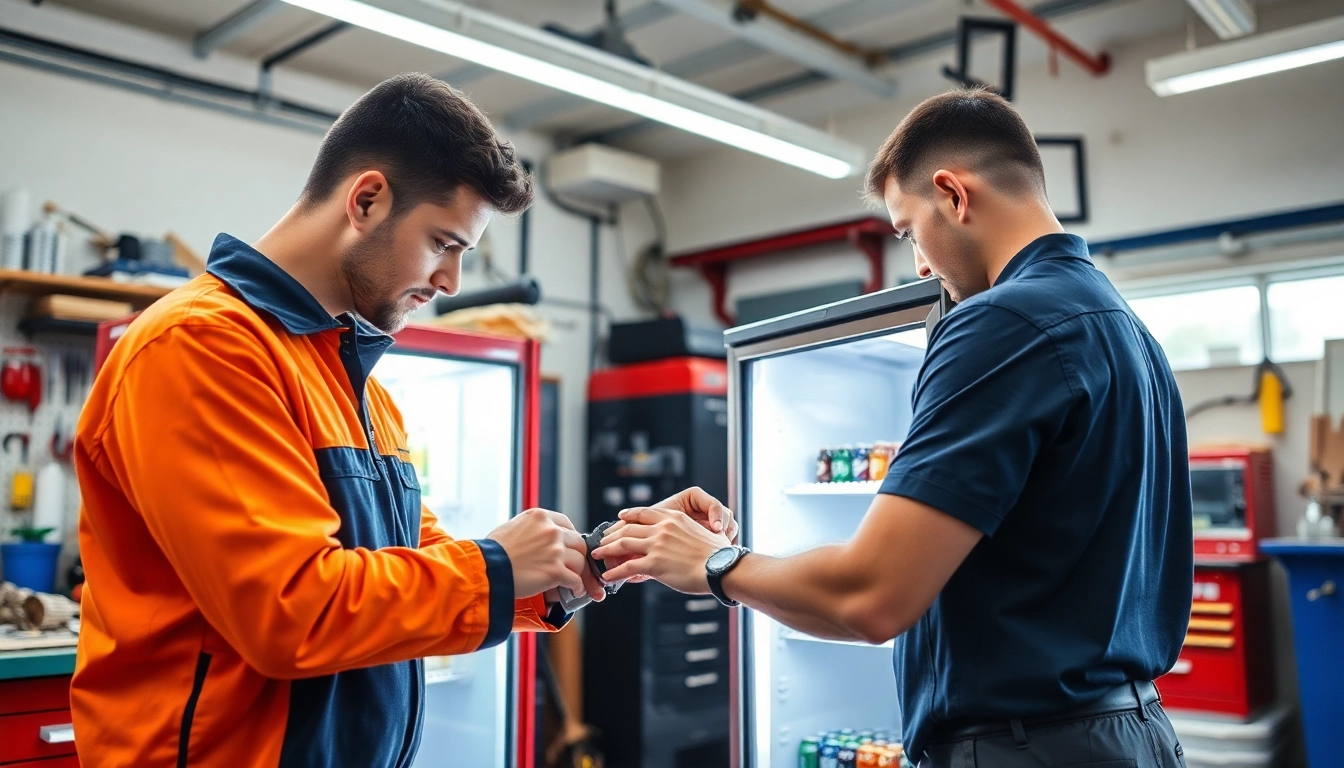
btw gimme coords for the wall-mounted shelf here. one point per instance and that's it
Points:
(834, 489)
(31, 326)
(793, 634)
(39, 284)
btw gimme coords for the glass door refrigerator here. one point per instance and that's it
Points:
(470, 403)
(837, 378)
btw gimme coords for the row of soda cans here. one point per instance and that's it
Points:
(847, 749)
(855, 463)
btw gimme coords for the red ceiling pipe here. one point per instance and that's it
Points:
(1097, 65)
(867, 235)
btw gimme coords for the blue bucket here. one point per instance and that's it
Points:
(30, 565)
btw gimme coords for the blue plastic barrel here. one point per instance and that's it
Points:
(30, 565)
(1316, 594)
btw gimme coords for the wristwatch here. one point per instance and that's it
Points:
(717, 566)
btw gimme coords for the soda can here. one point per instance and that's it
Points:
(824, 466)
(809, 754)
(858, 463)
(849, 755)
(867, 756)
(888, 758)
(842, 471)
(828, 756)
(879, 461)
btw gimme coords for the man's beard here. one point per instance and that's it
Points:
(365, 268)
(962, 279)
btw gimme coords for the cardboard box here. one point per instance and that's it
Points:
(1327, 452)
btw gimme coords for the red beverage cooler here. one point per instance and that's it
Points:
(471, 407)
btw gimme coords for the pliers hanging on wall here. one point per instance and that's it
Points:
(62, 445)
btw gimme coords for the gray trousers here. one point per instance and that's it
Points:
(1139, 736)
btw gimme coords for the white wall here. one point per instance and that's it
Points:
(136, 163)
(1268, 144)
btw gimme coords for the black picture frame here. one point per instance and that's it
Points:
(1081, 211)
(968, 27)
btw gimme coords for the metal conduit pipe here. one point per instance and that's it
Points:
(1099, 64)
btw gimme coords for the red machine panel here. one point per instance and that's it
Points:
(1225, 665)
(1233, 491)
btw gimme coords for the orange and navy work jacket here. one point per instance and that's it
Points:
(262, 578)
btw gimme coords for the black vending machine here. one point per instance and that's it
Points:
(656, 661)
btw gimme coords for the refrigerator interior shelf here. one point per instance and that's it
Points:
(834, 489)
(449, 675)
(793, 634)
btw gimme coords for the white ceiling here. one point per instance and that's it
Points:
(363, 58)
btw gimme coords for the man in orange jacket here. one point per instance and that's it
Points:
(262, 577)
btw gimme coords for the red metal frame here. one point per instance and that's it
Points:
(864, 234)
(527, 641)
(1258, 480)
(108, 333)
(1099, 64)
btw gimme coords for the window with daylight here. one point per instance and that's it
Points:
(1202, 329)
(1303, 314)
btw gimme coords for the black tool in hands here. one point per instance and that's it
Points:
(572, 602)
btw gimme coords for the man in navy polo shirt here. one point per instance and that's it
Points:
(1031, 546)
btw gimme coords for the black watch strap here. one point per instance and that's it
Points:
(715, 577)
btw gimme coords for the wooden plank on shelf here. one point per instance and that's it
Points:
(23, 281)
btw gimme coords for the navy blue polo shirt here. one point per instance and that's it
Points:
(1046, 416)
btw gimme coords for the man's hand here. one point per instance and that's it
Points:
(704, 509)
(546, 552)
(693, 502)
(663, 544)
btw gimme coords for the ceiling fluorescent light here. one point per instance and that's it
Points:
(1228, 19)
(1251, 57)
(532, 54)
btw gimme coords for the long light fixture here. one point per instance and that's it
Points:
(1254, 56)
(532, 54)
(1229, 19)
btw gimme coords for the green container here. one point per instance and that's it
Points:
(809, 754)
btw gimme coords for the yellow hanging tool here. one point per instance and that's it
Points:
(1271, 399)
(21, 487)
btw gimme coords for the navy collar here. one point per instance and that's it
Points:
(268, 288)
(1057, 245)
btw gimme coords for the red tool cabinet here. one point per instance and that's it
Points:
(35, 727)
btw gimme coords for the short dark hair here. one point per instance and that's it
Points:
(974, 126)
(428, 139)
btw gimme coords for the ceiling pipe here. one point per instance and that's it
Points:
(749, 8)
(1099, 64)
(770, 33)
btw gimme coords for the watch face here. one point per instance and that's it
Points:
(722, 559)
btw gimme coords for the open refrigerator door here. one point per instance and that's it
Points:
(823, 401)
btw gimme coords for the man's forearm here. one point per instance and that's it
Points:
(810, 592)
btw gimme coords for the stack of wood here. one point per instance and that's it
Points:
(61, 307)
